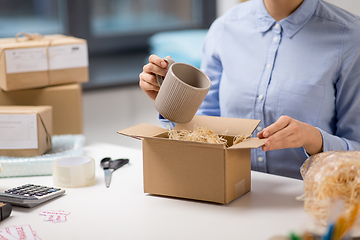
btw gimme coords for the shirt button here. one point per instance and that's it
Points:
(267, 66)
(261, 97)
(276, 26)
(260, 159)
(275, 39)
(259, 128)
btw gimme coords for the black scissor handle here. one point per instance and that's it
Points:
(118, 163)
(107, 163)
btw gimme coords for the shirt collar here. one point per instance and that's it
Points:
(292, 23)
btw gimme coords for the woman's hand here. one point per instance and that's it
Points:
(147, 77)
(287, 132)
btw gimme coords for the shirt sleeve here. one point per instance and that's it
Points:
(211, 65)
(347, 103)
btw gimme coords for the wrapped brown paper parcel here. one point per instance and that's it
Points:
(41, 61)
(25, 131)
(197, 170)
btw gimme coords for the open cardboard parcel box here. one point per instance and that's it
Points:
(194, 170)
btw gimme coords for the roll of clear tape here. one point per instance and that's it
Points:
(73, 172)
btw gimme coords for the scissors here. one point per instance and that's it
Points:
(110, 166)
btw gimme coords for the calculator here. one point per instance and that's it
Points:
(30, 195)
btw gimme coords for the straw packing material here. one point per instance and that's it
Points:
(203, 134)
(331, 176)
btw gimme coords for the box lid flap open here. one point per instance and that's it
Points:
(142, 131)
(222, 125)
(249, 143)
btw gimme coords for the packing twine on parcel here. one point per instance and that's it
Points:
(48, 136)
(33, 37)
(37, 37)
(28, 36)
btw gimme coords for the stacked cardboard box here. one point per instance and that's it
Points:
(43, 61)
(44, 71)
(66, 101)
(25, 131)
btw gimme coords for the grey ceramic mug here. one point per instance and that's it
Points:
(181, 91)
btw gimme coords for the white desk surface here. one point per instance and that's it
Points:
(124, 211)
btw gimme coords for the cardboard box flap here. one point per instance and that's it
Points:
(221, 125)
(142, 131)
(249, 143)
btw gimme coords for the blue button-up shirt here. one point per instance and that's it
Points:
(306, 66)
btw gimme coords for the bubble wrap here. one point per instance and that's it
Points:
(62, 146)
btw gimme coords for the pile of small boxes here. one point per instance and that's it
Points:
(40, 91)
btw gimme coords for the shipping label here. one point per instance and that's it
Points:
(26, 60)
(37, 59)
(68, 56)
(18, 131)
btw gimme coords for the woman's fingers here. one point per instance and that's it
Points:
(286, 132)
(147, 78)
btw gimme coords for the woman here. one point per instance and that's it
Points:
(293, 64)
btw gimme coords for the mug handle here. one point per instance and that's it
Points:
(160, 79)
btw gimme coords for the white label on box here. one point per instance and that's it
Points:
(26, 60)
(18, 131)
(68, 56)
